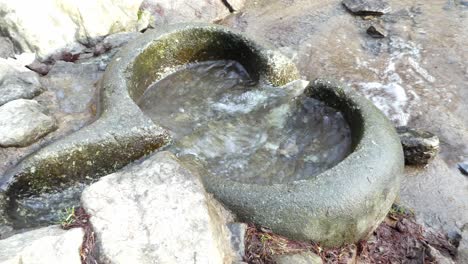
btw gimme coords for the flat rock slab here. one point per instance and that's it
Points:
(23, 122)
(155, 212)
(51, 245)
(17, 82)
(367, 7)
(74, 85)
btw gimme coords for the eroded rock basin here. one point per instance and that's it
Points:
(246, 131)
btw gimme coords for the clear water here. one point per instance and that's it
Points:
(244, 131)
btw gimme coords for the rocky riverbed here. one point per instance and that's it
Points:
(415, 71)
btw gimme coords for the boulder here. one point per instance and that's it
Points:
(156, 212)
(17, 82)
(23, 122)
(51, 245)
(65, 24)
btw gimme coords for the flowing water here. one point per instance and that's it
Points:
(246, 131)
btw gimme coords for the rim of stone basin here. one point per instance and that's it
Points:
(340, 205)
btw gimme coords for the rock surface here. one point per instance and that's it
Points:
(367, 7)
(302, 258)
(238, 231)
(419, 146)
(17, 82)
(22, 122)
(74, 85)
(51, 245)
(156, 212)
(178, 11)
(72, 22)
(6, 48)
(462, 256)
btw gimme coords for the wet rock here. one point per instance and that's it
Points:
(156, 211)
(51, 245)
(434, 194)
(6, 48)
(74, 85)
(17, 82)
(238, 231)
(23, 122)
(72, 22)
(419, 146)
(376, 32)
(157, 13)
(367, 7)
(463, 167)
(301, 258)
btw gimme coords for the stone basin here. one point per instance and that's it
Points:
(341, 205)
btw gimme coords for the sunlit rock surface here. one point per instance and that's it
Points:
(51, 245)
(22, 122)
(17, 82)
(156, 211)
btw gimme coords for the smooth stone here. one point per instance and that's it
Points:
(376, 32)
(419, 146)
(6, 48)
(23, 122)
(74, 85)
(156, 212)
(17, 82)
(301, 258)
(51, 245)
(463, 167)
(367, 7)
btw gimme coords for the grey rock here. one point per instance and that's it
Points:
(237, 233)
(72, 23)
(437, 257)
(462, 256)
(75, 85)
(376, 32)
(6, 48)
(156, 13)
(16, 83)
(119, 39)
(156, 211)
(23, 122)
(463, 167)
(6, 231)
(419, 146)
(301, 258)
(367, 7)
(51, 245)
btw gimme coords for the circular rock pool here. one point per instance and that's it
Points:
(244, 130)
